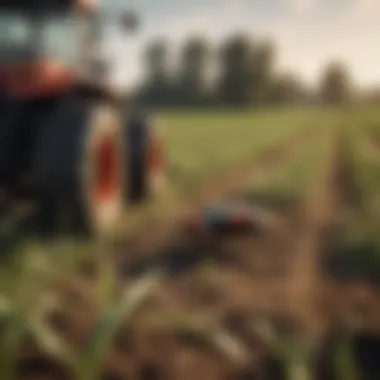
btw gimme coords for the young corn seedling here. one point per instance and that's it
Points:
(210, 333)
(106, 282)
(26, 299)
(295, 354)
(344, 360)
(90, 361)
(12, 330)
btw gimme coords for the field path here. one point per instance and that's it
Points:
(157, 234)
(371, 144)
(374, 136)
(321, 209)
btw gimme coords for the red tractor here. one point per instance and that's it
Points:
(67, 145)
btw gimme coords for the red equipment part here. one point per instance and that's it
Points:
(107, 167)
(229, 219)
(36, 79)
(40, 77)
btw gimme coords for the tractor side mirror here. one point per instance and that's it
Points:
(129, 21)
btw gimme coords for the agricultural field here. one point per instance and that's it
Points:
(201, 144)
(296, 296)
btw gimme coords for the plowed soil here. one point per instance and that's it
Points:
(230, 281)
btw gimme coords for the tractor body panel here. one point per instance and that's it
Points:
(21, 122)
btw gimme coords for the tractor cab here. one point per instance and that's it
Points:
(40, 45)
(47, 46)
(27, 35)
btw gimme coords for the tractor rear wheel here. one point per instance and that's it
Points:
(80, 170)
(144, 158)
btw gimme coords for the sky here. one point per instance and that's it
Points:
(308, 33)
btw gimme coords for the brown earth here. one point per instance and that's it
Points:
(165, 231)
(374, 135)
(230, 282)
(277, 274)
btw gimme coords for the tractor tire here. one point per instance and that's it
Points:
(9, 141)
(79, 170)
(144, 159)
(20, 123)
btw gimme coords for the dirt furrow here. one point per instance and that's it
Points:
(374, 136)
(228, 282)
(320, 209)
(160, 233)
(315, 299)
(372, 147)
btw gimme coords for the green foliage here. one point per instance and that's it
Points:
(345, 360)
(201, 144)
(336, 85)
(296, 353)
(29, 294)
(240, 72)
(286, 89)
(236, 82)
(291, 181)
(157, 87)
(192, 80)
(91, 359)
(353, 250)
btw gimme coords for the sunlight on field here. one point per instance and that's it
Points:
(292, 180)
(200, 144)
(365, 135)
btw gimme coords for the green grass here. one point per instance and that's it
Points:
(354, 252)
(291, 181)
(366, 116)
(367, 165)
(28, 295)
(200, 144)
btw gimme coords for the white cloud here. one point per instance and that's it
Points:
(361, 14)
(363, 8)
(302, 6)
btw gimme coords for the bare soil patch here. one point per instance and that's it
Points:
(232, 282)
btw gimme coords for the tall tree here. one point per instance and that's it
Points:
(286, 89)
(236, 81)
(193, 70)
(336, 86)
(157, 60)
(157, 87)
(263, 71)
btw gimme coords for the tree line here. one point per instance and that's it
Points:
(240, 72)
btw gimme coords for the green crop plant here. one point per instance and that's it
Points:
(296, 353)
(204, 330)
(31, 290)
(27, 296)
(91, 359)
